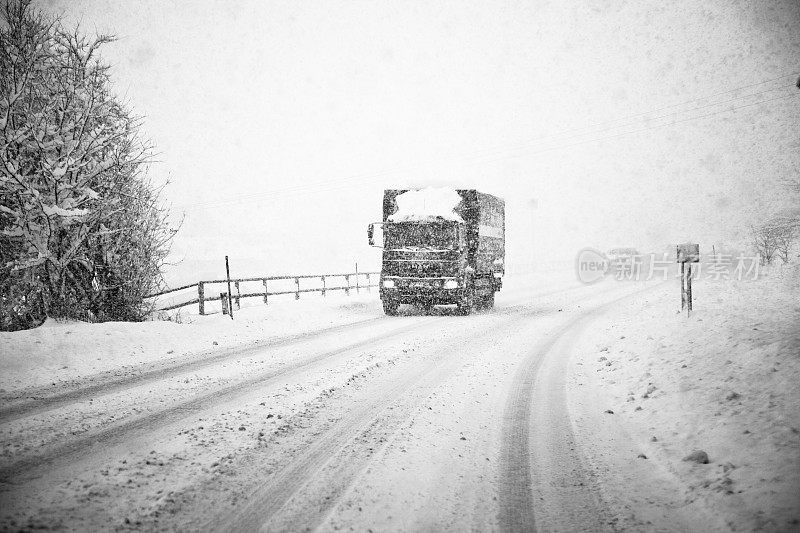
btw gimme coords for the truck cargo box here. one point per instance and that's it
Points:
(483, 215)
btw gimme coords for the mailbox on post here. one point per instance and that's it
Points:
(687, 253)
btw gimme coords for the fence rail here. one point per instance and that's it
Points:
(175, 289)
(237, 295)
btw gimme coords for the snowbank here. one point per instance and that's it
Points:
(723, 381)
(62, 351)
(427, 205)
(58, 352)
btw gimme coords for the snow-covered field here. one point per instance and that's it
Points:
(323, 413)
(723, 381)
(64, 351)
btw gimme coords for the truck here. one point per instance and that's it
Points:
(441, 246)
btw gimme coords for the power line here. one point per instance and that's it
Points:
(340, 184)
(597, 139)
(632, 123)
(701, 98)
(591, 128)
(356, 178)
(649, 127)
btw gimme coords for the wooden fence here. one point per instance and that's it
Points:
(350, 281)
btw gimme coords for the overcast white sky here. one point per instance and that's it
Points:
(280, 123)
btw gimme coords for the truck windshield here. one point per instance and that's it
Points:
(424, 235)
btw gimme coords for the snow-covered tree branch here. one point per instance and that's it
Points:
(82, 231)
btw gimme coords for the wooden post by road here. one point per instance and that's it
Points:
(201, 298)
(297, 288)
(687, 253)
(228, 274)
(266, 291)
(358, 288)
(689, 290)
(323, 286)
(683, 286)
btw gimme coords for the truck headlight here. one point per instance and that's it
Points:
(388, 284)
(451, 284)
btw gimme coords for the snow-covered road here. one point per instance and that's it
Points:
(387, 423)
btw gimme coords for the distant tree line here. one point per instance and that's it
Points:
(83, 233)
(779, 235)
(775, 237)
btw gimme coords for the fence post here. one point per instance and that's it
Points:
(297, 288)
(266, 291)
(228, 275)
(223, 297)
(238, 296)
(347, 289)
(358, 289)
(683, 286)
(323, 286)
(201, 297)
(369, 284)
(689, 290)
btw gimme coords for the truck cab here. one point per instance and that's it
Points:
(439, 256)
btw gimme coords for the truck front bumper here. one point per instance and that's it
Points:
(423, 291)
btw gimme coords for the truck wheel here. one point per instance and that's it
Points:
(467, 302)
(488, 301)
(390, 307)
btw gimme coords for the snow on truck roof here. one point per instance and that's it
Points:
(427, 205)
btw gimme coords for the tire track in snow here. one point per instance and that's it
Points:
(335, 459)
(158, 371)
(343, 443)
(34, 465)
(152, 372)
(539, 434)
(50, 456)
(75, 451)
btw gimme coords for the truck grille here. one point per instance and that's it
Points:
(421, 269)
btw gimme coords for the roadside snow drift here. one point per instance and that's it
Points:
(62, 351)
(721, 383)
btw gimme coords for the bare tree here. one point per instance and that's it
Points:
(82, 232)
(764, 243)
(785, 232)
(777, 236)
